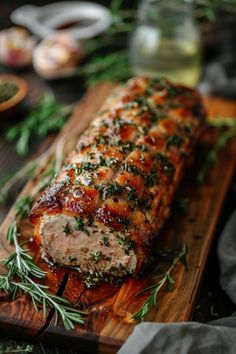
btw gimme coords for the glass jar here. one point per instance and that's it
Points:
(166, 42)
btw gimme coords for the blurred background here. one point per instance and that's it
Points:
(60, 50)
(150, 37)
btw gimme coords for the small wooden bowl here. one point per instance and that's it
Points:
(9, 107)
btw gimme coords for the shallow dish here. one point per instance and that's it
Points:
(81, 19)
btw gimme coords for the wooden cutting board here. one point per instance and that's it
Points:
(110, 307)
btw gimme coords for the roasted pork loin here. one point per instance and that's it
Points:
(103, 210)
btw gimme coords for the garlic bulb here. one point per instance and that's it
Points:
(57, 56)
(16, 47)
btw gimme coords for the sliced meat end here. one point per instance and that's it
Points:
(90, 248)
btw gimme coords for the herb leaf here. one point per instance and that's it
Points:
(20, 266)
(156, 287)
(21, 269)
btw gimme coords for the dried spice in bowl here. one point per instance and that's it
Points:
(13, 90)
(7, 90)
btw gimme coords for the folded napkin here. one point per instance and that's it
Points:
(218, 337)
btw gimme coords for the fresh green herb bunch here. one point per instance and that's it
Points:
(48, 117)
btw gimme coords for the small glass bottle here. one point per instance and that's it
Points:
(166, 42)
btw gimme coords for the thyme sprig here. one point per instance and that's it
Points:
(165, 278)
(19, 349)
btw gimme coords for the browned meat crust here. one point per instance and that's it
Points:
(111, 198)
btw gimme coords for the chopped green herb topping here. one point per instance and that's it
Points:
(172, 90)
(157, 83)
(130, 105)
(130, 168)
(166, 163)
(122, 240)
(101, 140)
(126, 147)
(131, 193)
(80, 225)
(111, 161)
(105, 241)
(96, 256)
(149, 91)
(150, 179)
(175, 140)
(67, 229)
(88, 166)
(143, 130)
(163, 84)
(108, 161)
(110, 190)
(141, 100)
(114, 276)
(143, 203)
(158, 114)
(73, 259)
(142, 147)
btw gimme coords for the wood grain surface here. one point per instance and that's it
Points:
(110, 307)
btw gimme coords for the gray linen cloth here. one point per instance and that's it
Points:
(217, 337)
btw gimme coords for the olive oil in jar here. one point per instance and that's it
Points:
(167, 43)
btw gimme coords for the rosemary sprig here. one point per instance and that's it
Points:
(21, 269)
(166, 278)
(20, 266)
(19, 349)
(224, 138)
(49, 116)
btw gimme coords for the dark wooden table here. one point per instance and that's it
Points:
(213, 303)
